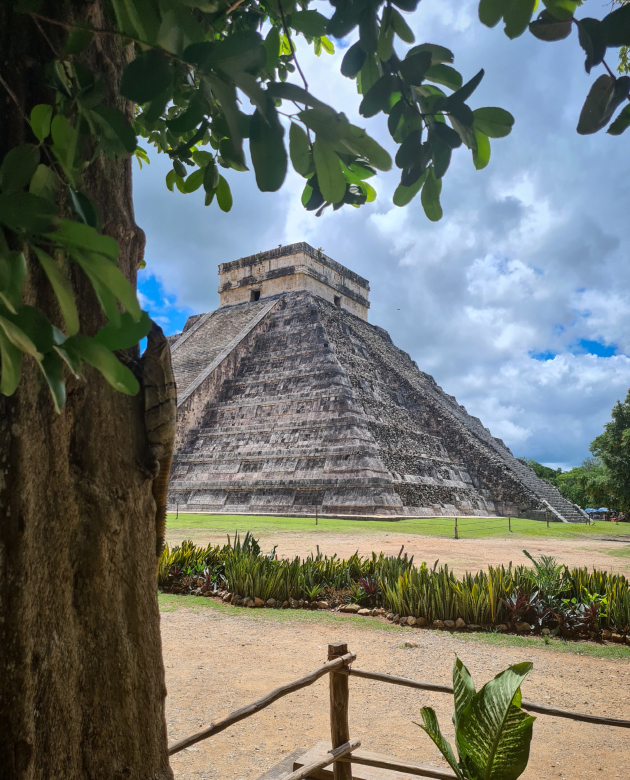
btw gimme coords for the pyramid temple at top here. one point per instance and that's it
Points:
(290, 402)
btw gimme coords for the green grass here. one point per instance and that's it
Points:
(171, 603)
(469, 527)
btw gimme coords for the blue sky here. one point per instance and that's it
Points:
(517, 302)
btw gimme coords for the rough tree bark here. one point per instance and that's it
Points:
(81, 676)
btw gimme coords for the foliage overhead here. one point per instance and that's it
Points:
(209, 78)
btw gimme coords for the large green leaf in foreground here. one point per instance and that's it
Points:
(493, 734)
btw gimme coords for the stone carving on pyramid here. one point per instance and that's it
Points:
(291, 403)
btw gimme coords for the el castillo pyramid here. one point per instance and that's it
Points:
(290, 402)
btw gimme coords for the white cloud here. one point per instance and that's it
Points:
(528, 260)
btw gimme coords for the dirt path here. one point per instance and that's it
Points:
(216, 663)
(462, 554)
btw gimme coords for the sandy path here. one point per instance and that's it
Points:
(216, 663)
(462, 554)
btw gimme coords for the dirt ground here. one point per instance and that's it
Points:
(216, 663)
(461, 554)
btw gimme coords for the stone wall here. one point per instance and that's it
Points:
(293, 268)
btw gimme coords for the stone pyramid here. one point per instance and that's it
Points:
(290, 402)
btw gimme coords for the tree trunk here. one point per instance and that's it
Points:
(81, 676)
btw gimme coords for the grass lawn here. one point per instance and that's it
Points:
(468, 527)
(171, 603)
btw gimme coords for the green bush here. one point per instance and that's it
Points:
(545, 595)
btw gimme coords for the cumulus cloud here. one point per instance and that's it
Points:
(517, 301)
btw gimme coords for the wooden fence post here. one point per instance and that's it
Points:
(339, 728)
(456, 534)
(547, 517)
(316, 508)
(177, 511)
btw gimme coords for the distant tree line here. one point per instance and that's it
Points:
(604, 478)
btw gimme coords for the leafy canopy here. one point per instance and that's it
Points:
(209, 78)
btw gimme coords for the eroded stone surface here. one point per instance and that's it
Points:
(293, 405)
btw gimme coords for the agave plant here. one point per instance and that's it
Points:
(492, 733)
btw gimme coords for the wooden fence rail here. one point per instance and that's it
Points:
(342, 755)
(530, 706)
(262, 703)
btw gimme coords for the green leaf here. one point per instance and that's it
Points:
(45, 183)
(73, 235)
(210, 177)
(443, 74)
(77, 41)
(224, 195)
(18, 167)
(332, 182)
(145, 18)
(447, 134)
(441, 153)
(194, 180)
(226, 96)
(41, 116)
(188, 119)
(62, 288)
(430, 197)
(616, 27)
(621, 123)
(462, 94)
(562, 9)
(548, 28)
(369, 75)
(605, 95)
(83, 208)
(592, 40)
(116, 129)
(267, 150)
(311, 23)
(11, 363)
(13, 272)
(481, 152)
(463, 690)
(18, 338)
(51, 367)
(438, 53)
(106, 273)
(356, 140)
(493, 734)
(401, 28)
(494, 122)
(385, 46)
(377, 99)
(26, 213)
(272, 48)
(403, 195)
(517, 16)
(103, 360)
(353, 60)
(299, 149)
(65, 142)
(288, 91)
(127, 334)
(491, 11)
(415, 67)
(432, 728)
(146, 77)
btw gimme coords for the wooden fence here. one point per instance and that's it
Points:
(342, 755)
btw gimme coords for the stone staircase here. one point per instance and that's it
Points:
(207, 337)
(285, 433)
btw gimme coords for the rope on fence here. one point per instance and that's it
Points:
(530, 706)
